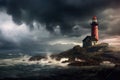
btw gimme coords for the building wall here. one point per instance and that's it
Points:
(87, 44)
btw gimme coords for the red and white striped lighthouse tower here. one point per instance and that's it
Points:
(94, 29)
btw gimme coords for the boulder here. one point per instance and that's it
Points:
(36, 58)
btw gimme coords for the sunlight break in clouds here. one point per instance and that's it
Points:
(16, 33)
(114, 41)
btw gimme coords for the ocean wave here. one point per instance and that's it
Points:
(24, 60)
(14, 61)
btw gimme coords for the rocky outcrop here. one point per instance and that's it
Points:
(79, 56)
(36, 58)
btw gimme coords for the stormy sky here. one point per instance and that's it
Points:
(40, 24)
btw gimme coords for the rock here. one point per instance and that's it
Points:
(98, 48)
(93, 55)
(77, 63)
(65, 61)
(76, 51)
(36, 58)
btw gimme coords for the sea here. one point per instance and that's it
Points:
(15, 65)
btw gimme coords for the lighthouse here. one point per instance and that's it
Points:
(94, 28)
(93, 39)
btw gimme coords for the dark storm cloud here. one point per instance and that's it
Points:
(55, 12)
(114, 27)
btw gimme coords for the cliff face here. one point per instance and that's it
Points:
(93, 55)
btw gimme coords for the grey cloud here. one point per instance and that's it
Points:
(55, 12)
(65, 13)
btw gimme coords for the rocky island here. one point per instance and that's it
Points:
(101, 54)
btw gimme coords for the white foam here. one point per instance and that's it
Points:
(25, 60)
(14, 61)
(50, 61)
(107, 64)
